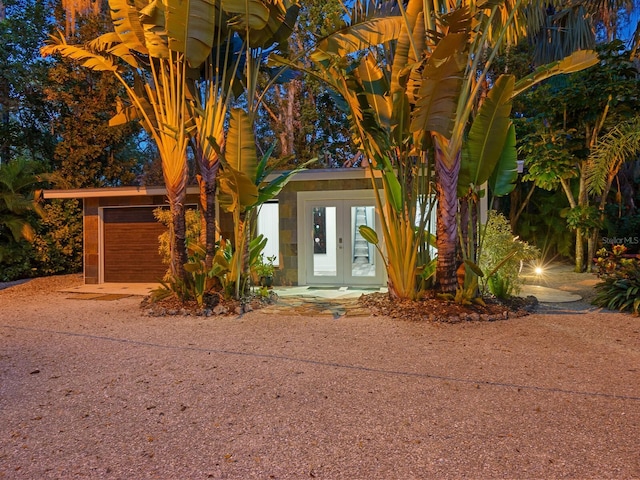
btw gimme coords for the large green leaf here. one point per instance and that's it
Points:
(237, 190)
(240, 152)
(441, 82)
(573, 63)
(487, 135)
(358, 37)
(376, 90)
(504, 176)
(190, 28)
(369, 234)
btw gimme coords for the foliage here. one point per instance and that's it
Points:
(264, 267)
(18, 204)
(35, 239)
(502, 256)
(83, 101)
(577, 132)
(193, 223)
(201, 281)
(57, 246)
(620, 286)
(244, 187)
(24, 113)
(180, 68)
(621, 228)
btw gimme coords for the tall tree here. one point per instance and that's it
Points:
(299, 113)
(89, 152)
(570, 115)
(24, 114)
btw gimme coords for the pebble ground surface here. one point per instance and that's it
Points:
(95, 388)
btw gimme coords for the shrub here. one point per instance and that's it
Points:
(620, 286)
(57, 247)
(502, 255)
(193, 221)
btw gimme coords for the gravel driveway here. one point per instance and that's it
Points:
(96, 389)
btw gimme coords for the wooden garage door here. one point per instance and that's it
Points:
(131, 245)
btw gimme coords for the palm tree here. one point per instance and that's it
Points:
(17, 200)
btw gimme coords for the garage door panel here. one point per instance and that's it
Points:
(131, 245)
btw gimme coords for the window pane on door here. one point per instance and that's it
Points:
(363, 254)
(325, 261)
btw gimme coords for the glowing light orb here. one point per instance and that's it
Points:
(539, 271)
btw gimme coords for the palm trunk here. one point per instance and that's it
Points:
(446, 228)
(178, 239)
(207, 201)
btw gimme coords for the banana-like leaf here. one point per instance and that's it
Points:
(240, 151)
(395, 190)
(252, 14)
(237, 190)
(573, 63)
(286, 27)
(126, 22)
(153, 20)
(504, 176)
(474, 267)
(261, 173)
(279, 25)
(376, 90)
(405, 44)
(358, 37)
(190, 28)
(414, 78)
(125, 115)
(58, 44)
(487, 135)
(274, 187)
(441, 82)
(20, 229)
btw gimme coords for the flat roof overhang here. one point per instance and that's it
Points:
(141, 191)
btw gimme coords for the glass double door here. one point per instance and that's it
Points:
(336, 253)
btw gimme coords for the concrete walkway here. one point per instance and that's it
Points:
(559, 284)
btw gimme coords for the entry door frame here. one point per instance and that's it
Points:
(305, 201)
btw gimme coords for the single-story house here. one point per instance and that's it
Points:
(312, 227)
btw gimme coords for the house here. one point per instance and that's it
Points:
(312, 227)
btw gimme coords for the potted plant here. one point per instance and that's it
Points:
(264, 269)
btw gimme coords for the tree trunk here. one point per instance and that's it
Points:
(446, 228)
(178, 239)
(208, 187)
(579, 244)
(592, 242)
(579, 268)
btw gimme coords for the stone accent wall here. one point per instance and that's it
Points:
(287, 274)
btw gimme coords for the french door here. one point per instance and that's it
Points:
(333, 251)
